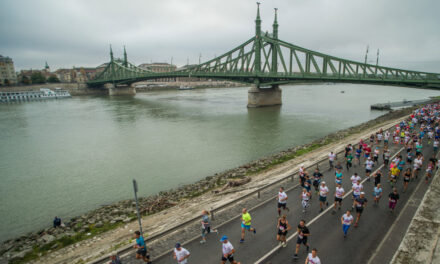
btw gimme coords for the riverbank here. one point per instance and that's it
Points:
(118, 216)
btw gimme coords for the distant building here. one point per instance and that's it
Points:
(7, 71)
(64, 75)
(160, 67)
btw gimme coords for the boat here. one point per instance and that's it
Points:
(185, 87)
(44, 93)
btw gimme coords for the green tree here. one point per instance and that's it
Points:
(25, 80)
(37, 77)
(53, 79)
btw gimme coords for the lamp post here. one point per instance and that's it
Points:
(135, 187)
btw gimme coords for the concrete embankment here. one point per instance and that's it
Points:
(421, 242)
(73, 88)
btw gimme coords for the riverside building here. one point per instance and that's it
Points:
(7, 71)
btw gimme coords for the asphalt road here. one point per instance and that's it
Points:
(361, 244)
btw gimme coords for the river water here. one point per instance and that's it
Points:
(65, 157)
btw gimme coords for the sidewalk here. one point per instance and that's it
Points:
(421, 241)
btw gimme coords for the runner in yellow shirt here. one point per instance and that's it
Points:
(246, 224)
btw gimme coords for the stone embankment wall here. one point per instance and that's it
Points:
(421, 242)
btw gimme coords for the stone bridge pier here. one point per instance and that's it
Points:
(120, 90)
(260, 97)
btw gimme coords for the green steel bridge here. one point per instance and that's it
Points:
(264, 60)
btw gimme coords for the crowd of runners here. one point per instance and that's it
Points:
(421, 130)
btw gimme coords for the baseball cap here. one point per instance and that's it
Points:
(223, 238)
(323, 182)
(362, 193)
(178, 245)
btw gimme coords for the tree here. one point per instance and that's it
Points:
(53, 79)
(37, 77)
(25, 80)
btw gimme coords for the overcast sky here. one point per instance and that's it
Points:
(78, 33)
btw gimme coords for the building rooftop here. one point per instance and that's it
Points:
(5, 59)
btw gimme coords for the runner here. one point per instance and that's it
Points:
(305, 197)
(386, 137)
(435, 145)
(331, 159)
(180, 254)
(303, 234)
(358, 154)
(283, 227)
(246, 224)
(228, 251)
(377, 193)
(394, 172)
(282, 201)
(312, 258)
(338, 176)
(349, 160)
(339, 194)
(317, 179)
(368, 168)
(302, 174)
(357, 190)
(377, 176)
(429, 170)
(406, 178)
(367, 151)
(346, 221)
(418, 162)
(308, 185)
(361, 203)
(376, 155)
(206, 226)
(393, 197)
(141, 252)
(323, 191)
(386, 156)
(114, 258)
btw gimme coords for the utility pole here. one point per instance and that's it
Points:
(171, 61)
(200, 58)
(135, 187)
(377, 59)
(365, 66)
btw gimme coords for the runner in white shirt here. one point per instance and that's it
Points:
(357, 189)
(339, 194)
(368, 168)
(346, 221)
(312, 258)
(355, 178)
(305, 197)
(181, 254)
(418, 162)
(282, 201)
(331, 159)
(323, 191)
(228, 251)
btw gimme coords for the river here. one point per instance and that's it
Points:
(65, 157)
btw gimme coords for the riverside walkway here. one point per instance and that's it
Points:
(374, 239)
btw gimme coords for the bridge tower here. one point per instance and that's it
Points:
(267, 96)
(112, 88)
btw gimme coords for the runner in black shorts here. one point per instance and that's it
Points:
(283, 228)
(406, 178)
(360, 202)
(303, 234)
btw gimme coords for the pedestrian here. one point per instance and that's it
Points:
(393, 197)
(331, 159)
(246, 224)
(317, 176)
(368, 167)
(406, 178)
(181, 254)
(349, 160)
(394, 172)
(377, 176)
(361, 203)
(302, 174)
(283, 227)
(323, 191)
(114, 258)
(338, 176)
(386, 156)
(282, 201)
(141, 252)
(358, 154)
(357, 190)
(206, 226)
(303, 234)
(418, 162)
(56, 222)
(339, 195)
(228, 251)
(346, 221)
(376, 155)
(312, 258)
(305, 197)
(377, 193)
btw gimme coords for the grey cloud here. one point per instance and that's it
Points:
(74, 33)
